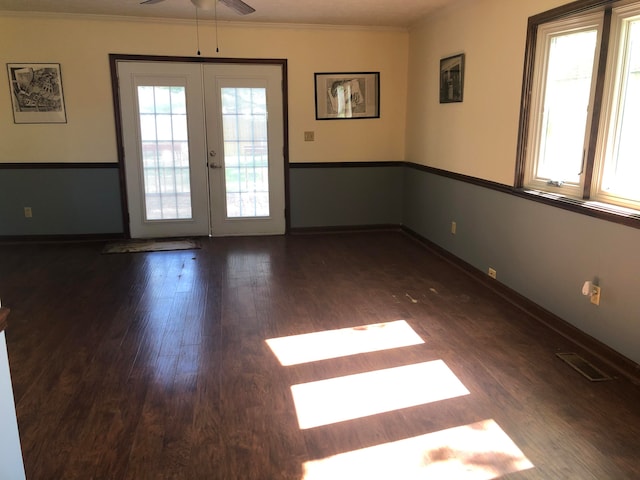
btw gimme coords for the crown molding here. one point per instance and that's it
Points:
(185, 21)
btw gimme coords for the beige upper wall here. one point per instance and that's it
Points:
(477, 137)
(81, 45)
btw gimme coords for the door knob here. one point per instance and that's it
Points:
(212, 153)
(215, 165)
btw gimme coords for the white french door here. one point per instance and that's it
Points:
(203, 147)
(246, 149)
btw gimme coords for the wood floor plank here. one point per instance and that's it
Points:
(156, 366)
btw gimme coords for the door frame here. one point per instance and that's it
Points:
(114, 58)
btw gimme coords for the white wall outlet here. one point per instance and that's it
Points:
(27, 212)
(454, 227)
(595, 295)
(492, 273)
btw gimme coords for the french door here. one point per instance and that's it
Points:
(203, 148)
(246, 149)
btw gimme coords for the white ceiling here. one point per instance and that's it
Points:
(387, 13)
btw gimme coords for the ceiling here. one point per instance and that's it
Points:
(380, 13)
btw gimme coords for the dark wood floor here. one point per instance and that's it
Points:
(155, 366)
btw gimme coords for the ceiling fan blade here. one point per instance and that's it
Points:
(239, 6)
(150, 2)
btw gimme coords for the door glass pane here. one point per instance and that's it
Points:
(165, 152)
(246, 160)
(566, 103)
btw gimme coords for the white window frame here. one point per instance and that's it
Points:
(546, 33)
(611, 103)
(587, 196)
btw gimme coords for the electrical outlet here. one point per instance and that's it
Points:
(27, 212)
(492, 273)
(309, 136)
(454, 227)
(595, 295)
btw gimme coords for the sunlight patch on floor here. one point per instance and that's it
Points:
(355, 396)
(480, 451)
(312, 347)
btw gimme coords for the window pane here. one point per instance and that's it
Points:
(165, 152)
(179, 126)
(565, 108)
(145, 100)
(163, 127)
(147, 126)
(622, 170)
(244, 125)
(163, 99)
(178, 101)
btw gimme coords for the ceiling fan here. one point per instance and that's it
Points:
(237, 5)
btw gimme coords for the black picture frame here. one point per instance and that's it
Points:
(36, 93)
(452, 79)
(347, 95)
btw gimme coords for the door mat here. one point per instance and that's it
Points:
(585, 368)
(134, 246)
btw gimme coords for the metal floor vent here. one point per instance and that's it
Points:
(585, 368)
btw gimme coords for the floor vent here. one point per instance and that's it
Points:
(585, 368)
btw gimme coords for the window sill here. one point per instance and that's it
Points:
(603, 211)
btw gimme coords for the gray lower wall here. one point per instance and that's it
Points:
(542, 252)
(338, 195)
(85, 201)
(64, 201)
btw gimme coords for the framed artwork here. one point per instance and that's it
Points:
(36, 93)
(452, 79)
(343, 96)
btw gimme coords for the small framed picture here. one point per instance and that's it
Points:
(36, 93)
(343, 96)
(452, 79)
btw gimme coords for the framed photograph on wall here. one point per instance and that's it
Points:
(343, 96)
(36, 93)
(452, 79)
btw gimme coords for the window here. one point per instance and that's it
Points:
(246, 151)
(165, 152)
(581, 104)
